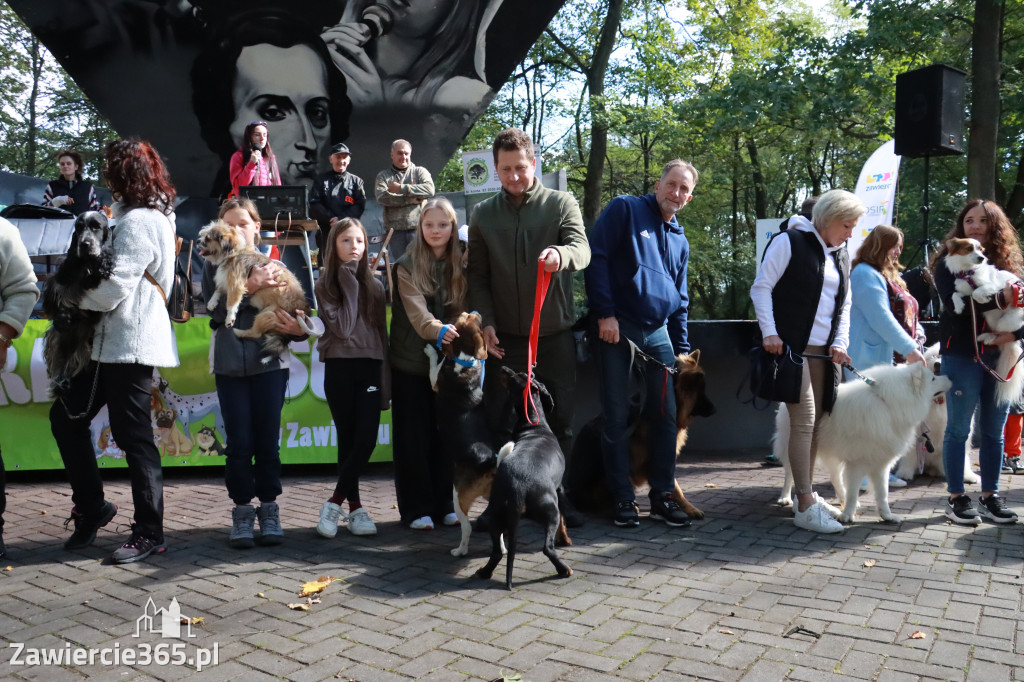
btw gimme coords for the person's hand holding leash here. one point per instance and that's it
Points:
(550, 258)
(773, 344)
(839, 355)
(915, 356)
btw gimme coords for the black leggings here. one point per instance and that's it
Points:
(353, 388)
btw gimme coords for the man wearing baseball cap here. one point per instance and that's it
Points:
(336, 194)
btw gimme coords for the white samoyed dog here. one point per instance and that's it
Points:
(918, 459)
(870, 427)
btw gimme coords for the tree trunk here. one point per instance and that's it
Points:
(32, 129)
(594, 183)
(757, 175)
(985, 74)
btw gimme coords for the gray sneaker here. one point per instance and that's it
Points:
(271, 532)
(243, 518)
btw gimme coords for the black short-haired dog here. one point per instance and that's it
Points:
(68, 340)
(528, 481)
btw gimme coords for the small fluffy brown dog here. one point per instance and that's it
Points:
(225, 247)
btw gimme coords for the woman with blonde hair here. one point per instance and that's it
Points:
(431, 288)
(802, 299)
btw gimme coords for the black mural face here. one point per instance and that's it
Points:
(189, 76)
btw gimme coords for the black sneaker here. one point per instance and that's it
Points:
(86, 527)
(664, 508)
(627, 514)
(1015, 466)
(959, 510)
(1005, 466)
(771, 461)
(994, 508)
(137, 548)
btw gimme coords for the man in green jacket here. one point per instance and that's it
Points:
(509, 233)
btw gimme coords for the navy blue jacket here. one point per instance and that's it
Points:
(632, 275)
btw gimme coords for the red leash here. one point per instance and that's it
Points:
(543, 280)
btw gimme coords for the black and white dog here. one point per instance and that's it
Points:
(68, 340)
(528, 480)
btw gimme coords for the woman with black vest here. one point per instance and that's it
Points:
(802, 299)
(70, 191)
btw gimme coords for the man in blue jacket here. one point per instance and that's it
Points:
(636, 284)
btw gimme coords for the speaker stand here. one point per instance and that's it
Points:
(925, 210)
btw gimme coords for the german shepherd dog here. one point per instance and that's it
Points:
(587, 487)
(457, 376)
(68, 340)
(527, 481)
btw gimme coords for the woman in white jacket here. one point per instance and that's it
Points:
(132, 338)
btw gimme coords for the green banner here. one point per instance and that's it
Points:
(196, 436)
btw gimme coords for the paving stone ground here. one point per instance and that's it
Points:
(720, 600)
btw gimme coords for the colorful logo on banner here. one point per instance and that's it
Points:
(876, 187)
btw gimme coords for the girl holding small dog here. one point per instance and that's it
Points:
(431, 287)
(802, 299)
(354, 349)
(133, 336)
(973, 387)
(251, 391)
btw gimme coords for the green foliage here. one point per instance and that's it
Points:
(770, 100)
(44, 110)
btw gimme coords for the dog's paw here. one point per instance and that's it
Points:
(892, 518)
(983, 294)
(958, 304)
(987, 337)
(460, 551)
(784, 501)
(971, 477)
(845, 518)
(483, 574)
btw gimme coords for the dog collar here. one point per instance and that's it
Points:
(968, 277)
(472, 362)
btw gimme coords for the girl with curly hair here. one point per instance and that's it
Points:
(133, 336)
(973, 387)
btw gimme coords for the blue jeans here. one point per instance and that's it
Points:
(659, 407)
(972, 387)
(251, 407)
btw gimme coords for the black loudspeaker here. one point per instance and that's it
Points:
(930, 111)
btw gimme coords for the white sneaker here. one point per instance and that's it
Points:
(328, 525)
(896, 482)
(833, 511)
(816, 519)
(422, 523)
(451, 519)
(359, 523)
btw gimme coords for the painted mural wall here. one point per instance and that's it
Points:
(190, 74)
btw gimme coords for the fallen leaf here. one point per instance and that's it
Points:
(303, 606)
(9, 568)
(260, 595)
(315, 586)
(917, 634)
(868, 563)
(710, 485)
(42, 511)
(197, 620)
(726, 632)
(85, 602)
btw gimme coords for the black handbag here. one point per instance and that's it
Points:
(776, 377)
(180, 305)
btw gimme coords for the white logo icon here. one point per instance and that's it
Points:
(164, 622)
(645, 235)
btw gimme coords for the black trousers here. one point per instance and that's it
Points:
(252, 418)
(352, 388)
(556, 369)
(125, 390)
(423, 469)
